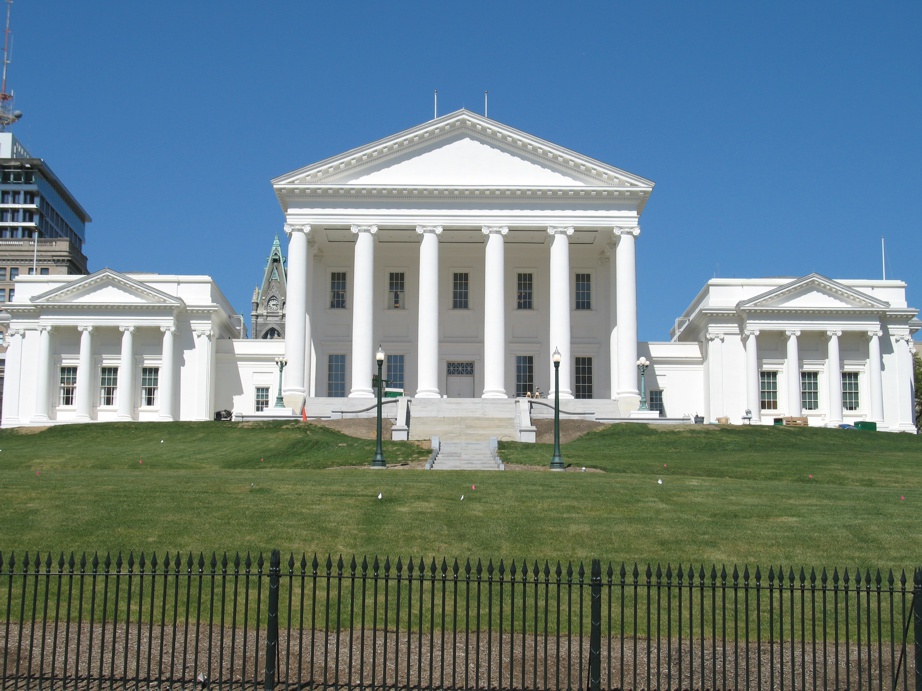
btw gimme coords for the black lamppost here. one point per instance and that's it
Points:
(280, 362)
(642, 365)
(556, 460)
(378, 461)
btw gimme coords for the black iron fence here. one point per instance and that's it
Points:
(246, 622)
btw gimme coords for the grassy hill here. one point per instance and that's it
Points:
(739, 495)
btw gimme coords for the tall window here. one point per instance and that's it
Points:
(2, 273)
(810, 390)
(583, 291)
(338, 290)
(583, 379)
(336, 375)
(460, 291)
(395, 290)
(394, 373)
(150, 383)
(68, 385)
(262, 398)
(656, 401)
(108, 385)
(850, 390)
(14, 273)
(768, 390)
(524, 289)
(524, 375)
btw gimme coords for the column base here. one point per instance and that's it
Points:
(495, 393)
(428, 393)
(82, 418)
(293, 398)
(628, 401)
(362, 393)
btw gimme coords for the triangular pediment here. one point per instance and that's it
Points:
(462, 149)
(813, 292)
(106, 288)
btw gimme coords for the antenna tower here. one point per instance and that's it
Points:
(7, 115)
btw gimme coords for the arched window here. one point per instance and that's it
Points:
(272, 333)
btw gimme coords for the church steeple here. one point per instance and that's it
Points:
(268, 316)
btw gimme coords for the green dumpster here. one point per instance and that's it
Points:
(779, 421)
(868, 425)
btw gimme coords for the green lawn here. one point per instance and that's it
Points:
(730, 495)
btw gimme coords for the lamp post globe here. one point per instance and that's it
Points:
(378, 461)
(280, 362)
(556, 459)
(642, 365)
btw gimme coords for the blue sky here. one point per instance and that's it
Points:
(784, 137)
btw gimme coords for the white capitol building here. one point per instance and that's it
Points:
(469, 252)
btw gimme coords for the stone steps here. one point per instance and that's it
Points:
(465, 455)
(469, 419)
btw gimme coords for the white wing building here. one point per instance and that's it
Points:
(469, 252)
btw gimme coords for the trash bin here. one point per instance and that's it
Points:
(866, 425)
(699, 419)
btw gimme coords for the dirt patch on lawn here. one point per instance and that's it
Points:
(569, 430)
(360, 427)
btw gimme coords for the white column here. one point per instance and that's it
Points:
(626, 278)
(714, 405)
(126, 375)
(363, 315)
(13, 376)
(42, 400)
(294, 388)
(792, 369)
(494, 313)
(875, 377)
(308, 342)
(834, 378)
(203, 361)
(85, 374)
(904, 402)
(753, 397)
(613, 360)
(427, 346)
(167, 374)
(560, 308)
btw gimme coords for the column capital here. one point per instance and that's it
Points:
(750, 332)
(712, 336)
(422, 230)
(626, 230)
(206, 332)
(364, 229)
(792, 332)
(875, 333)
(560, 230)
(45, 327)
(833, 333)
(85, 327)
(291, 229)
(126, 329)
(171, 329)
(14, 332)
(501, 230)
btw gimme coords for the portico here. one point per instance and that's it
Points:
(462, 246)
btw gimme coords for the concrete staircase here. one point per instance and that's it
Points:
(465, 455)
(462, 419)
